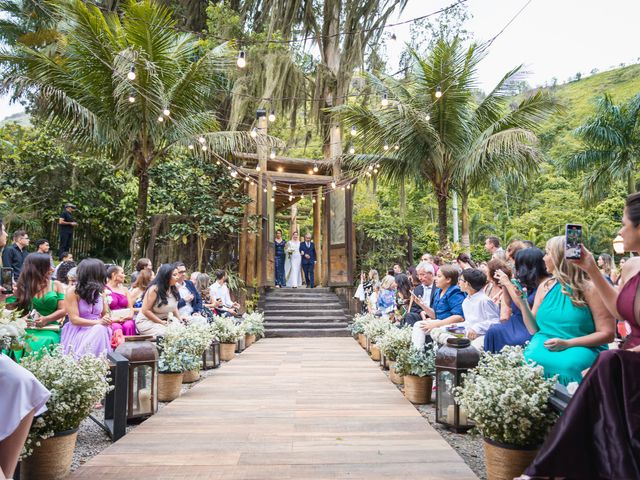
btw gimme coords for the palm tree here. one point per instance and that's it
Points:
(127, 86)
(438, 133)
(611, 149)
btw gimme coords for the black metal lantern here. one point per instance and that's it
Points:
(211, 356)
(240, 344)
(452, 360)
(142, 397)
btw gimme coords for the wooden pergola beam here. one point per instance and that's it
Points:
(305, 162)
(293, 178)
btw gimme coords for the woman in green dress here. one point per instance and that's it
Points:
(569, 322)
(35, 291)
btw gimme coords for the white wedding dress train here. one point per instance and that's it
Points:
(293, 265)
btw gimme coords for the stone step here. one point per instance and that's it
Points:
(322, 296)
(302, 301)
(315, 325)
(308, 332)
(278, 291)
(299, 318)
(307, 312)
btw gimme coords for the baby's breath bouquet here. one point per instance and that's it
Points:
(359, 321)
(76, 385)
(394, 341)
(173, 356)
(226, 330)
(12, 330)
(508, 399)
(253, 324)
(420, 362)
(375, 328)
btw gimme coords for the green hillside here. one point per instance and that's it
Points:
(578, 101)
(21, 118)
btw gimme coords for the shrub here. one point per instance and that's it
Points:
(417, 361)
(394, 341)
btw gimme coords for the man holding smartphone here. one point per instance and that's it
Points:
(424, 293)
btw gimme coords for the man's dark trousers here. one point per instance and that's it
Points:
(65, 242)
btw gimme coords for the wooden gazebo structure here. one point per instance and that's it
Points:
(333, 232)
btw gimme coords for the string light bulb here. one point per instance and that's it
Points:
(289, 189)
(313, 200)
(166, 112)
(234, 174)
(370, 167)
(438, 91)
(242, 60)
(348, 186)
(272, 155)
(290, 197)
(333, 185)
(375, 170)
(132, 73)
(191, 146)
(396, 146)
(386, 146)
(385, 100)
(315, 167)
(353, 130)
(272, 115)
(427, 117)
(201, 139)
(254, 132)
(273, 187)
(264, 190)
(161, 118)
(204, 148)
(132, 98)
(273, 199)
(302, 196)
(258, 168)
(352, 149)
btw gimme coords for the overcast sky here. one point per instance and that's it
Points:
(552, 38)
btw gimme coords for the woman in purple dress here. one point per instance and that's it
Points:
(597, 436)
(87, 331)
(120, 305)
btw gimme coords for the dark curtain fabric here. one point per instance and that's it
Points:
(598, 436)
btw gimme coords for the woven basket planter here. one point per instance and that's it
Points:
(52, 459)
(169, 385)
(191, 376)
(505, 462)
(393, 375)
(375, 352)
(249, 340)
(418, 389)
(227, 351)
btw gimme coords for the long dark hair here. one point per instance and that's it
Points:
(63, 271)
(530, 268)
(33, 278)
(404, 285)
(162, 281)
(92, 276)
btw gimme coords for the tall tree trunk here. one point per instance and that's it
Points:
(631, 182)
(137, 241)
(466, 230)
(443, 240)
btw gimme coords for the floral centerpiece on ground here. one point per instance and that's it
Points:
(359, 321)
(508, 399)
(394, 341)
(376, 328)
(12, 330)
(174, 356)
(417, 366)
(253, 324)
(75, 386)
(228, 333)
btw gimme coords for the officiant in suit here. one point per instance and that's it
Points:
(308, 252)
(423, 294)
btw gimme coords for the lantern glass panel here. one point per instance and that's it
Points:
(143, 394)
(209, 357)
(446, 383)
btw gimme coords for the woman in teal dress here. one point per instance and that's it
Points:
(569, 322)
(36, 291)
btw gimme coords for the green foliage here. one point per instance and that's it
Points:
(417, 361)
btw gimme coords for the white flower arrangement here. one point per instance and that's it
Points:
(375, 328)
(75, 386)
(359, 321)
(508, 398)
(226, 330)
(394, 341)
(417, 361)
(12, 330)
(253, 324)
(182, 346)
(290, 249)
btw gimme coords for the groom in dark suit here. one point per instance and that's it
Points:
(308, 252)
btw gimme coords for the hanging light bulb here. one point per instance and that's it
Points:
(302, 196)
(427, 117)
(396, 146)
(166, 112)
(201, 139)
(289, 189)
(264, 190)
(370, 167)
(315, 167)
(204, 148)
(191, 146)
(385, 100)
(251, 182)
(229, 167)
(333, 185)
(375, 170)
(247, 179)
(218, 162)
(273, 187)
(386, 146)
(258, 168)
(368, 174)
(280, 169)
(438, 91)
(353, 130)
(377, 165)
(342, 188)
(290, 197)
(272, 115)
(242, 61)
(234, 174)
(272, 155)
(310, 172)
(273, 199)
(352, 149)
(132, 98)
(348, 186)
(132, 73)
(161, 118)
(313, 200)
(254, 132)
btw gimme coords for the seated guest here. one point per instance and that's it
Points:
(220, 291)
(40, 298)
(66, 257)
(209, 307)
(159, 302)
(423, 294)
(120, 304)
(569, 322)
(72, 277)
(87, 331)
(194, 276)
(63, 270)
(478, 310)
(387, 297)
(412, 273)
(404, 297)
(144, 279)
(464, 261)
(190, 302)
(530, 272)
(446, 308)
(493, 289)
(142, 264)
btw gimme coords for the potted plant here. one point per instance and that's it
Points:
(253, 325)
(508, 400)
(227, 333)
(75, 386)
(357, 327)
(172, 361)
(13, 332)
(391, 344)
(194, 340)
(417, 367)
(374, 329)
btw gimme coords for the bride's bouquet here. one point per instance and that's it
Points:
(290, 250)
(12, 330)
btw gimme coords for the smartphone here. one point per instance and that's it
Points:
(7, 279)
(518, 285)
(573, 240)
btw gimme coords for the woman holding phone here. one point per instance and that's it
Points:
(596, 437)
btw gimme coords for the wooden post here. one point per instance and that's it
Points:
(261, 253)
(317, 235)
(293, 223)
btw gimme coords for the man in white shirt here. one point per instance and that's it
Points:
(219, 291)
(492, 245)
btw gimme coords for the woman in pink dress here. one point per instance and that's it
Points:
(87, 332)
(119, 303)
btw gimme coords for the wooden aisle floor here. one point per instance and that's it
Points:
(286, 408)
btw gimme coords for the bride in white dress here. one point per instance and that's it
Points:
(292, 269)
